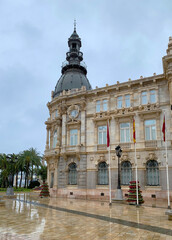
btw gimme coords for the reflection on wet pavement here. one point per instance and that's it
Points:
(79, 219)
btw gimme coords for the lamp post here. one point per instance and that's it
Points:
(118, 154)
(118, 195)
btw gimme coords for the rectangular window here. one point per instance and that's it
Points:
(152, 96)
(144, 98)
(56, 113)
(102, 135)
(150, 130)
(55, 139)
(73, 137)
(125, 132)
(119, 102)
(98, 106)
(105, 107)
(127, 101)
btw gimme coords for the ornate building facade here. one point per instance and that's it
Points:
(76, 151)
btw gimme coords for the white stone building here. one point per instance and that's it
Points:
(76, 150)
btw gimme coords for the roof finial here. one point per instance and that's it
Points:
(74, 25)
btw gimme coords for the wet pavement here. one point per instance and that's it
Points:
(31, 217)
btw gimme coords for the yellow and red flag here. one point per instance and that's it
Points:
(134, 131)
(108, 137)
(163, 129)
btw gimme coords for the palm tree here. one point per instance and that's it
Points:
(42, 172)
(12, 164)
(4, 169)
(28, 160)
(35, 160)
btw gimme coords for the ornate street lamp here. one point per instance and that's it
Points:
(118, 154)
(118, 195)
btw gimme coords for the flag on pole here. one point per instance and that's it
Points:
(163, 128)
(134, 131)
(108, 137)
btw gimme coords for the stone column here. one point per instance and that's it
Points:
(48, 174)
(83, 130)
(64, 130)
(117, 131)
(48, 137)
(142, 132)
(55, 175)
(158, 127)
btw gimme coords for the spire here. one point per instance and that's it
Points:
(74, 56)
(74, 25)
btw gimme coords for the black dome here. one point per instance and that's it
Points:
(71, 79)
(74, 70)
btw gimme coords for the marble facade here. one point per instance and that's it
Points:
(88, 153)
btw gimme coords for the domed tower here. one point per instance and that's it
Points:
(73, 70)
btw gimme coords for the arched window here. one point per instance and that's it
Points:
(126, 173)
(103, 173)
(72, 177)
(152, 171)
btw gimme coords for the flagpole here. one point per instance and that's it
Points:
(134, 140)
(110, 197)
(136, 176)
(168, 192)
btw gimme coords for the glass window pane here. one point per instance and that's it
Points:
(152, 96)
(102, 134)
(127, 101)
(105, 105)
(122, 135)
(98, 106)
(147, 133)
(55, 139)
(73, 137)
(127, 135)
(144, 97)
(119, 102)
(153, 132)
(56, 113)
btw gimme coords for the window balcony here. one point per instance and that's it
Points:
(151, 144)
(126, 145)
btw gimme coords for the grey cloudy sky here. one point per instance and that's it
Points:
(121, 39)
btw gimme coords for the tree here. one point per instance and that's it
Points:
(4, 169)
(30, 159)
(42, 172)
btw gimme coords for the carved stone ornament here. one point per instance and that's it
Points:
(101, 158)
(73, 111)
(125, 157)
(152, 156)
(83, 105)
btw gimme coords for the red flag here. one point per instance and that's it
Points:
(134, 131)
(108, 137)
(163, 129)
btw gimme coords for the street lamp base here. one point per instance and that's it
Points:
(10, 191)
(118, 195)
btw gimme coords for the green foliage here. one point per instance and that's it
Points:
(16, 190)
(42, 172)
(24, 162)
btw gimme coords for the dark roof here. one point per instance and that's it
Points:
(71, 79)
